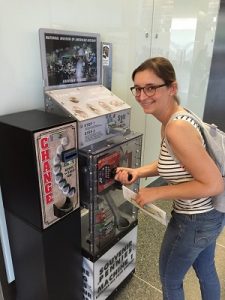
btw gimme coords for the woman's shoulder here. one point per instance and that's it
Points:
(181, 128)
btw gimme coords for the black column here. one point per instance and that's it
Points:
(215, 100)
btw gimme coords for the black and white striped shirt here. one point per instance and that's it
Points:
(174, 173)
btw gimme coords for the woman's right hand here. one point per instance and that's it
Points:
(126, 175)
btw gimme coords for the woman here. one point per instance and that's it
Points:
(190, 237)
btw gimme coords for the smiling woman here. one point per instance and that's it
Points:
(193, 179)
(160, 67)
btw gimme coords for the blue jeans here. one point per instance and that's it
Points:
(190, 240)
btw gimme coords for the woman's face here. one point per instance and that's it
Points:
(160, 97)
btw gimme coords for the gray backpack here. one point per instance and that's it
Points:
(215, 145)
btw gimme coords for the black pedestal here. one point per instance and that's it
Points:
(47, 264)
(47, 261)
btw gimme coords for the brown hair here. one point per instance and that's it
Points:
(161, 67)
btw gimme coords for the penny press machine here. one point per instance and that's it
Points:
(72, 68)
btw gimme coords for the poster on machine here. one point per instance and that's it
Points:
(57, 162)
(102, 277)
(71, 58)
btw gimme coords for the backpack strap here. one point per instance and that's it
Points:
(194, 117)
(189, 113)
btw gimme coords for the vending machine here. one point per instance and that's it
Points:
(106, 215)
(40, 192)
(105, 142)
(77, 92)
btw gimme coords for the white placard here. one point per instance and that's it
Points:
(149, 209)
(88, 102)
(102, 277)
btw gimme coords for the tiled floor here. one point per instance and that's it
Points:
(145, 283)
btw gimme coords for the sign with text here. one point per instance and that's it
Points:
(101, 278)
(57, 162)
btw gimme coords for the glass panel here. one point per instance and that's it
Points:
(184, 34)
(107, 215)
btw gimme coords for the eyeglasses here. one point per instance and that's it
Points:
(149, 90)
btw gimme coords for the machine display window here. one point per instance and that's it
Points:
(108, 215)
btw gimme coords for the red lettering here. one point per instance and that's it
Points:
(45, 155)
(47, 177)
(44, 143)
(48, 188)
(46, 170)
(46, 166)
(48, 198)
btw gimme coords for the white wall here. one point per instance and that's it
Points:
(20, 75)
(185, 34)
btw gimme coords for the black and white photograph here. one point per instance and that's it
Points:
(70, 59)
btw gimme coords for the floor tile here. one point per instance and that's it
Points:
(150, 234)
(221, 239)
(220, 265)
(191, 286)
(136, 289)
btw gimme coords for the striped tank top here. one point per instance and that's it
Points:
(174, 173)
